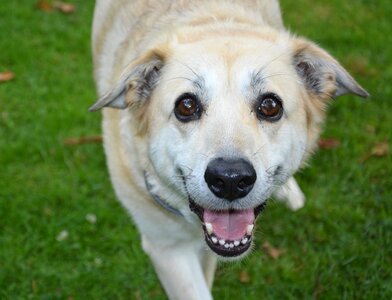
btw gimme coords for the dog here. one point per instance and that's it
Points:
(210, 107)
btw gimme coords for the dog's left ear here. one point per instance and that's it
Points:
(321, 74)
(135, 84)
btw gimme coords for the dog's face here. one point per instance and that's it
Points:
(227, 119)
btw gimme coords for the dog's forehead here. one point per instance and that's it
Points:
(237, 62)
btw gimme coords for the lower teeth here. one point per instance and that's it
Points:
(229, 244)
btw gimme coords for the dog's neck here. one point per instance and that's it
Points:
(161, 202)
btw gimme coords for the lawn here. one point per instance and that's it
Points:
(63, 235)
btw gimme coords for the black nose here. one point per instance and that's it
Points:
(230, 178)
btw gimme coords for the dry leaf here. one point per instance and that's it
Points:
(380, 149)
(244, 277)
(273, 252)
(44, 5)
(64, 7)
(328, 143)
(83, 140)
(6, 76)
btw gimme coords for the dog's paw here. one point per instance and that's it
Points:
(291, 194)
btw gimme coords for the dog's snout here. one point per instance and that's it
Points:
(230, 178)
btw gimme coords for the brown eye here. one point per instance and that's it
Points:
(269, 108)
(187, 108)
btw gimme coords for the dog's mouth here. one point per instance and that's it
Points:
(228, 232)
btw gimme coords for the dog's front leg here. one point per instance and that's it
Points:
(291, 194)
(209, 262)
(179, 270)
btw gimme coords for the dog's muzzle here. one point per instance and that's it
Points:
(228, 232)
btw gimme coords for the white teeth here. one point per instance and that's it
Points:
(208, 227)
(249, 229)
(229, 244)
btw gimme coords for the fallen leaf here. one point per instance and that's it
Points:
(244, 277)
(6, 76)
(83, 140)
(379, 150)
(328, 143)
(273, 252)
(44, 5)
(64, 7)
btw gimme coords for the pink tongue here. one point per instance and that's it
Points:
(229, 225)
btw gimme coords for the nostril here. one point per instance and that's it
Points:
(217, 186)
(219, 183)
(242, 184)
(245, 185)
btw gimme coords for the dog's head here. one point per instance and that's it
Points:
(227, 117)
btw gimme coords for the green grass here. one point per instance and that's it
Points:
(338, 247)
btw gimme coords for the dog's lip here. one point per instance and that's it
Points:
(226, 247)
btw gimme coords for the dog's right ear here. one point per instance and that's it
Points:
(321, 74)
(135, 84)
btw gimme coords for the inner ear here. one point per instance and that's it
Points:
(145, 82)
(136, 83)
(321, 73)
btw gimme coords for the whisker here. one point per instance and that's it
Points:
(258, 150)
(199, 80)
(177, 78)
(271, 61)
